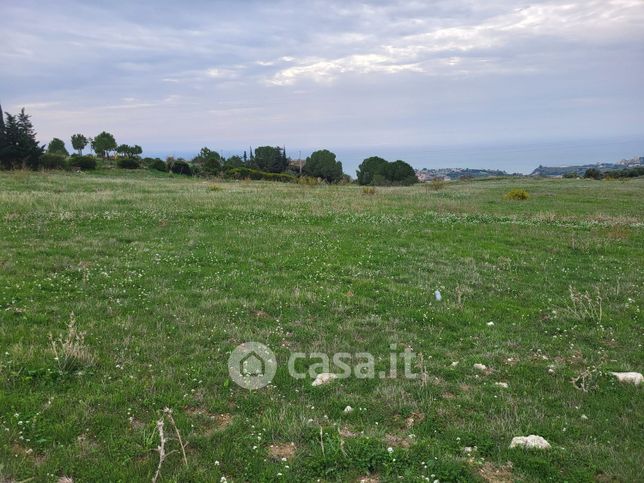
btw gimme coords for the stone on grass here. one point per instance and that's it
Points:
(324, 378)
(438, 295)
(529, 442)
(480, 367)
(490, 324)
(348, 409)
(504, 385)
(629, 377)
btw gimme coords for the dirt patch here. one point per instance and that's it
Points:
(396, 441)
(345, 432)
(19, 450)
(414, 418)
(213, 423)
(282, 451)
(369, 479)
(497, 474)
(135, 424)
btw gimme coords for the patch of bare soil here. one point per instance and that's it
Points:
(497, 474)
(281, 451)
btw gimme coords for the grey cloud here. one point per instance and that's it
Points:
(326, 73)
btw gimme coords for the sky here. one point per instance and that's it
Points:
(491, 83)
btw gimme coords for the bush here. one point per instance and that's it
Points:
(593, 173)
(181, 167)
(84, 163)
(308, 181)
(53, 161)
(368, 190)
(157, 165)
(128, 163)
(248, 173)
(437, 184)
(516, 194)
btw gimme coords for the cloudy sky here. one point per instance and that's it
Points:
(439, 83)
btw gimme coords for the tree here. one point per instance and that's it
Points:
(270, 159)
(57, 146)
(322, 164)
(371, 170)
(593, 173)
(19, 148)
(2, 137)
(124, 150)
(234, 162)
(79, 142)
(210, 161)
(103, 144)
(400, 173)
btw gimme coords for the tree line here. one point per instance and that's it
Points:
(19, 149)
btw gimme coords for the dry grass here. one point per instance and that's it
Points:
(70, 352)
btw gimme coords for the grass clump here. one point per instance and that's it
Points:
(308, 181)
(516, 194)
(368, 190)
(70, 352)
(437, 184)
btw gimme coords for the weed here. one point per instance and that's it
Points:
(437, 184)
(583, 306)
(516, 194)
(70, 352)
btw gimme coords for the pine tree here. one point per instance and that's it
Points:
(3, 139)
(29, 148)
(1, 123)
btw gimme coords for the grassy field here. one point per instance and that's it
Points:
(167, 275)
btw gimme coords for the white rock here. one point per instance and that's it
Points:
(504, 385)
(348, 409)
(584, 417)
(480, 367)
(490, 324)
(467, 449)
(455, 363)
(324, 378)
(438, 295)
(530, 442)
(629, 377)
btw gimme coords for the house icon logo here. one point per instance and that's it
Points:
(252, 365)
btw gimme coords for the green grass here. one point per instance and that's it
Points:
(166, 275)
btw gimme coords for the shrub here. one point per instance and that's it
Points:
(83, 163)
(368, 190)
(181, 167)
(570, 175)
(437, 184)
(593, 173)
(158, 165)
(516, 194)
(308, 180)
(53, 161)
(128, 163)
(215, 187)
(248, 173)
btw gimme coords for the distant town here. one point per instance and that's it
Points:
(450, 174)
